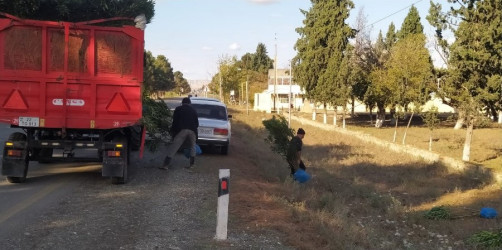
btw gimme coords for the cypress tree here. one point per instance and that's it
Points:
(411, 24)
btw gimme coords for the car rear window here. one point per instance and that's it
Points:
(210, 111)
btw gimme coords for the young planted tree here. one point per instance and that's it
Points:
(279, 134)
(378, 94)
(431, 119)
(410, 72)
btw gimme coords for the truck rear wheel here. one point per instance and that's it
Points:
(125, 158)
(18, 137)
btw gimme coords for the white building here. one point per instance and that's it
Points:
(282, 88)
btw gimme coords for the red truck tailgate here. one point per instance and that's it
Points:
(70, 75)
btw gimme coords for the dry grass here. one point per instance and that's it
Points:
(486, 147)
(362, 196)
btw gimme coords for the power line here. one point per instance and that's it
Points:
(395, 13)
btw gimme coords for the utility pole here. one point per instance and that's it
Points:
(275, 75)
(290, 83)
(247, 96)
(221, 96)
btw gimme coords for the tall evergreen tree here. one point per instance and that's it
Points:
(323, 40)
(390, 36)
(411, 24)
(475, 65)
(261, 62)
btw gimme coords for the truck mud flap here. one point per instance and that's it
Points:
(113, 167)
(14, 167)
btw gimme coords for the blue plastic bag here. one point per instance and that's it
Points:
(488, 213)
(186, 151)
(301, 176)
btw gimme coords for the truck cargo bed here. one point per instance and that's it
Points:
(70, 75)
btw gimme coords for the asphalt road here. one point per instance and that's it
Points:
(20, 204)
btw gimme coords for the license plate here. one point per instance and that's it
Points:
(28, 121)
(205, 131)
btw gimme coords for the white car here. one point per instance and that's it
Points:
(214, 124)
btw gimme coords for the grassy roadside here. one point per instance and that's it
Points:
(486, 146)
(362, 196)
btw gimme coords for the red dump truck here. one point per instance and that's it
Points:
(75, 91)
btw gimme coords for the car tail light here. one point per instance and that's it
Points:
(220, 131)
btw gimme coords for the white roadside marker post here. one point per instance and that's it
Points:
(223, 200)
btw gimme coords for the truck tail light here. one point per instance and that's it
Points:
(220, 131)
(13, 152)
(113, 153)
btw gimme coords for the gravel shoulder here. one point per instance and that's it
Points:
(156, 209)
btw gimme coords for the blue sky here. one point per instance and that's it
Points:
(194, 34)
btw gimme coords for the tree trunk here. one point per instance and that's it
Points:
(468, 138)
(430, 141)
(460, 120)
(334, 118)
(343, 119)
(392, 114)
(494, 114)
(395, 132)
(314, 113)
(380, 119)
(353, 109)
(325, 120)
(407, 127)
(500, 117)
(371, 116)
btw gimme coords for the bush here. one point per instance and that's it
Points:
(438, 213)
(279, 134)
(492, 240)
(157, 119)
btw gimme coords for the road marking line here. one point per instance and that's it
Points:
(29, 201)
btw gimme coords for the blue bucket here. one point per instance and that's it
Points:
(301, 176)
(186, 151)
(488, 213)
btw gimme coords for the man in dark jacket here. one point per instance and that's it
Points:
(184, 128)
(294, 154)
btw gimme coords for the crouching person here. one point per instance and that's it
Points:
(183, 128)
(294, 154)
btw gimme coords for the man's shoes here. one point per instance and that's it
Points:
(191, 167)
(167, 161)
